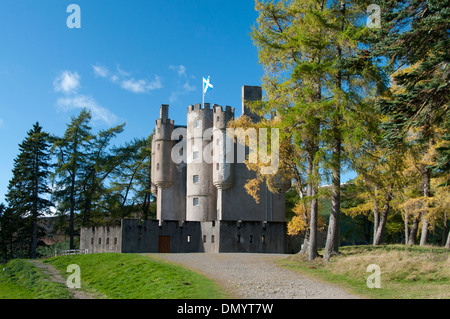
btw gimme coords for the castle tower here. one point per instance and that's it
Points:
(200, 191)
(162, 148)
(223, 165)
(167, 177)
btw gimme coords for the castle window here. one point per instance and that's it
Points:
(195, 201)
(251, 239)
(195, 179)
(217, 166)
(159, 147)
(159, 130)
(115, 241)
(107, 241)
(189, 238)
(180, 152)
(139, 236)
(196, 124)
(238, 238)
(212, 239)
(99, 241)
(157, 166)
(204, 238)
(196, 154)
(218, 119)
(263, 239)
(92, 241)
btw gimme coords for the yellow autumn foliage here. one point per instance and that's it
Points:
(299, 224)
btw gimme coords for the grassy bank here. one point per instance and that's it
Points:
(406, 272)
(19, 279)
(132, 276)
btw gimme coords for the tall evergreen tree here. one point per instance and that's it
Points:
(28, 190)
(415, 34)
(85, 162)
(72, 151)
(100, 164)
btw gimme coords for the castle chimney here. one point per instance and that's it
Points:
(251, 93)
(164, 112)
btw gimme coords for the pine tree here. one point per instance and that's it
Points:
(28, 190)
(414, 34)
(72, 151)
(101, 162)
(85, 164)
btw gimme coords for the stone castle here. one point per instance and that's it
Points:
(202, 206)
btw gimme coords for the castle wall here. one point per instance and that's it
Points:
(135, 236)
(252, 236)
(171, 202)
(236, 204)
(144, 236)
(103, 239)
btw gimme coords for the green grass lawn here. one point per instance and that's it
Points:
(19, 279)
(133, 276)
(406, 272)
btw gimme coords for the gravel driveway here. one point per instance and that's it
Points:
(256, 276)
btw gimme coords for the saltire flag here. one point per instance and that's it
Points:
(207, 85)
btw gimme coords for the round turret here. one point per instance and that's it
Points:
(162, 148)
(223, 165)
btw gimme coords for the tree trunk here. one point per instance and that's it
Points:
(376, 216)
(378, 235)
(305, 246)
(34, 235)
(312, 251)
(424, 234)
(413, 232)
(426, 193)
(311, 191)
(406, 228)
(34, 213)
(447, 244)
(332, 245)
(444, 230)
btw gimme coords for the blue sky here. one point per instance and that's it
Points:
(127, 59)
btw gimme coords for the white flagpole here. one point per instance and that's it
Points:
(203, 91)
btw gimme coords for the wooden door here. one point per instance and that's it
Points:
(164, 244)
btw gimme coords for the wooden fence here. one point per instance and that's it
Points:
(71, 252)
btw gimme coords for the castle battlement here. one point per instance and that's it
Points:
(219, 109)
(199, 107)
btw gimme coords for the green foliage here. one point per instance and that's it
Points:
(415, 34)
(28, 192)
(49, 251)
(130, 192)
